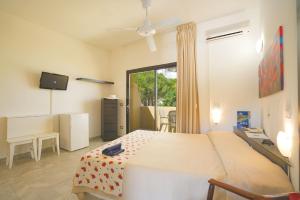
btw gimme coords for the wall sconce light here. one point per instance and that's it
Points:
(284, 143)
(259, 46)
(216, 115)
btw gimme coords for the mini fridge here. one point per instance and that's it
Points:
(74, 131)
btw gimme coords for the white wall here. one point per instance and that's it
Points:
(280, 109)
(227, 68)
(233, 80)
(26, 50)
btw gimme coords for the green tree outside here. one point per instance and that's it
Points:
(166, 88)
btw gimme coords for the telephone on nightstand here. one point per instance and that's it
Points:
(255, 130)
(267, 142)
(255, 133)
(259, 134)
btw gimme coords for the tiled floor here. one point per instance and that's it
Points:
(48, 179)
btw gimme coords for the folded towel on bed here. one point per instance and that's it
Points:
(113, 153)
(113, 150)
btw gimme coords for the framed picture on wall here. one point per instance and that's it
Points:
(271, 68)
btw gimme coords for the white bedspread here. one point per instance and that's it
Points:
(172, 167)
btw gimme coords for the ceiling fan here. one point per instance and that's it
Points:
(148, 29)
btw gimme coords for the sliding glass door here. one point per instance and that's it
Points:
(151, 98)
(142, 101)
(166, 99)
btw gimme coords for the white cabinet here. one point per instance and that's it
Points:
(74, 131)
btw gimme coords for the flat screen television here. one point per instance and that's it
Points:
(53, 81)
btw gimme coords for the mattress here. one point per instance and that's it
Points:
(171, 166)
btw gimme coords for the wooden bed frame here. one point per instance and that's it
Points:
(240, 192)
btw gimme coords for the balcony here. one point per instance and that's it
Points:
(144, 118)
(152, 100)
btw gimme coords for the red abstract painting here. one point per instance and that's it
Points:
(271, 68)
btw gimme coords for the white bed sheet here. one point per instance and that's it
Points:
(173, 167)
(248, 169)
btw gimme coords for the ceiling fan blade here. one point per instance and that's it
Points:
(151, 43)
(123, 29)
(168, 23)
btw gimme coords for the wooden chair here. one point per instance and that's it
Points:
(240, 192)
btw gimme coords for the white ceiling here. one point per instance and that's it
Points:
(89, 20)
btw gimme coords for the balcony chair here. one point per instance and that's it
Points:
(163, 120)
(172, 121)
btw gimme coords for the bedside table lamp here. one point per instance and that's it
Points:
(284, 143)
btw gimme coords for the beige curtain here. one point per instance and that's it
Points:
(187, 111)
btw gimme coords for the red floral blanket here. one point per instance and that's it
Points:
(100, 172)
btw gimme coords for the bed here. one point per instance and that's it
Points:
(174, 166)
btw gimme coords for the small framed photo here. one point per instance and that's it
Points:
(243, 119)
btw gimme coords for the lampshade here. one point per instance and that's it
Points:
(284, 143)
(216, 115)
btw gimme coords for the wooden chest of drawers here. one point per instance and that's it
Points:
(109, 119)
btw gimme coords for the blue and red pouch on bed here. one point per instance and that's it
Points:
(113, 150)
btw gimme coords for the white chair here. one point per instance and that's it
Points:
(13, 142)
(163, 118)
(46, 136)
(172, 121)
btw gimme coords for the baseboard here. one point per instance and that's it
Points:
(95, 137)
